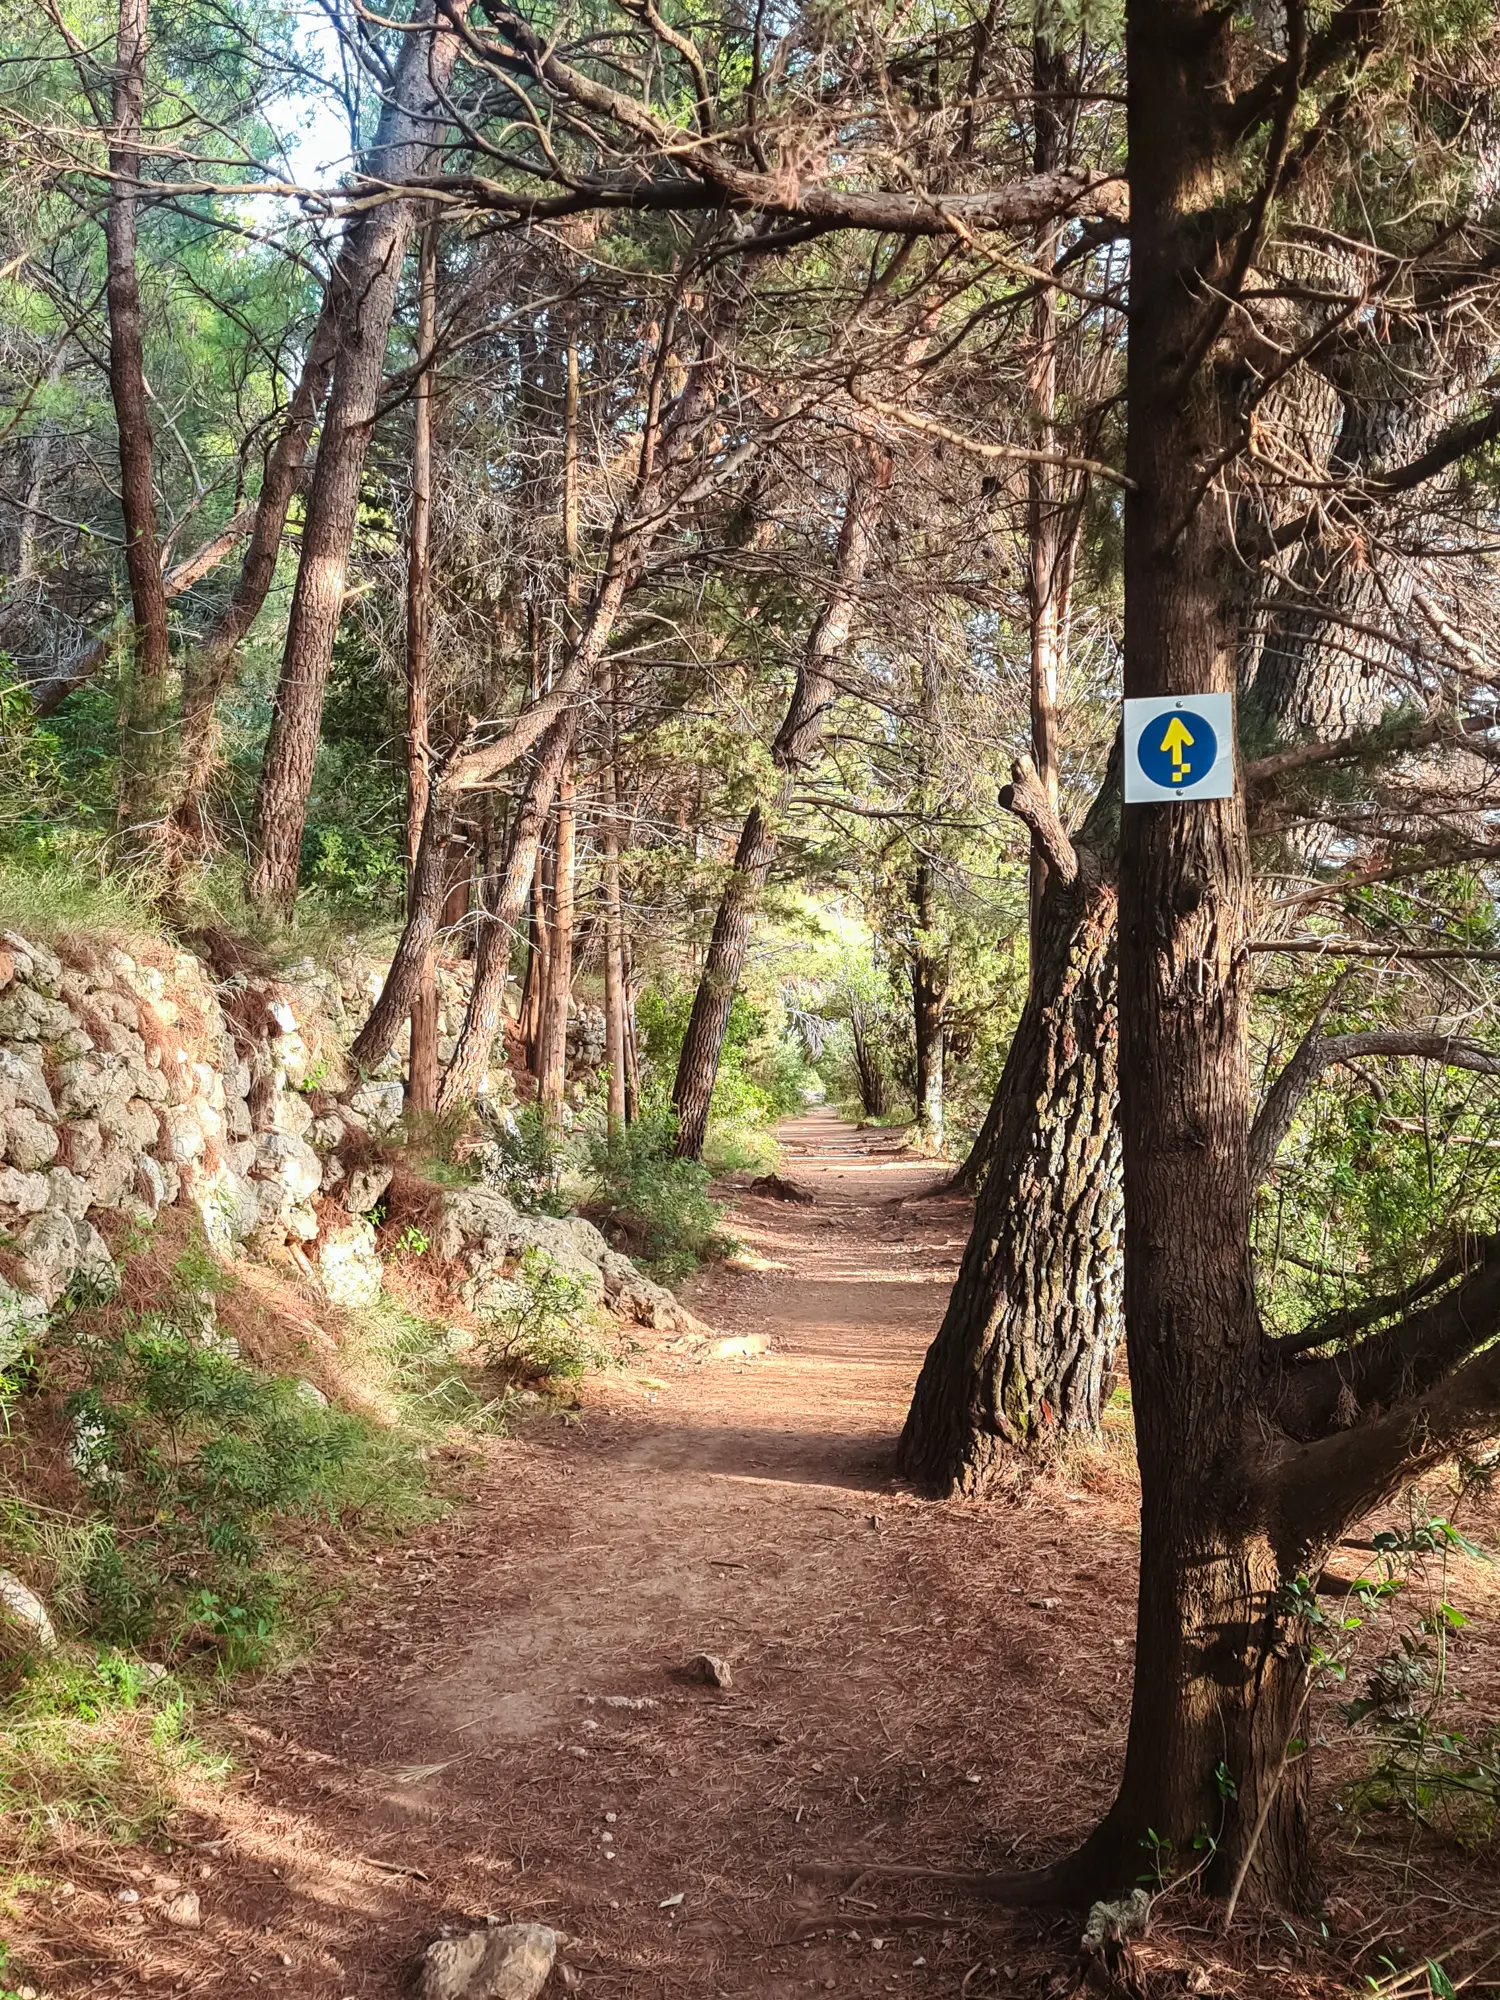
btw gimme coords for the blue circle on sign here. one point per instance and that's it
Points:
(1177, 749)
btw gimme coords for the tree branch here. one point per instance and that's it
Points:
(1314, 1489)
(1318, 1052)
(1026, 797)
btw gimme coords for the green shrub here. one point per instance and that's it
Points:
(100, 1745)
(526, 1161)
(539, 1330)
(191, 1459)
(656, 1203)
(762, 1077)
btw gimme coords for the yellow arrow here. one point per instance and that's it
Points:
(1176, 740)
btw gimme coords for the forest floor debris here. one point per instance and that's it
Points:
(504, 1734)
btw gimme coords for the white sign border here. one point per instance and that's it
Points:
(1217, 711)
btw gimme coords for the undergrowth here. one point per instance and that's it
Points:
(164, 1496)
(656, 1205)
(98, 1747)
(540, 1331)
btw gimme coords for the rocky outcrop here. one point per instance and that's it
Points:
(25, 1626)
(485, 1236)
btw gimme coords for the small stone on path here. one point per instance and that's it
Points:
(709, 1667)
(511, 1963)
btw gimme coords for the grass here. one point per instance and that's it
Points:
(97, 1748)
(176, 1554)
(55, 901)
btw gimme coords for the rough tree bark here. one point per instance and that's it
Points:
(1026, 1343)
(614, 970)
(464, 1079)
(148, 696)
(929, 1000)
(362, 293)
(1220, 1678)
(796, 743)
(422, 1059)
(558, 993)
(1050, 534)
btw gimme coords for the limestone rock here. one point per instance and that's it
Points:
(25, 1626)
(113, 1174)
(229, 1206)
(366, 1186)
(292, 1113)
(29, 1142)
(349, 1264)
(181, 1133)
(35, 964)
(291, 1162)
(23, 1321)
(635, 1296)
(29, 1016)
(379, 1105)
(49, 1255)
(67, 1192)
(82, 1143)
(511, 1962)
(26, 1192)
(23, 1082)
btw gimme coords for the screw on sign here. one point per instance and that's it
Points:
(1179, 747)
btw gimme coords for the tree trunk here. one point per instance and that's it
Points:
(614, 972)
(148, 697)
(929, 994)
(210, 662)
(553, 1079)
(470, 1065)
(632, 1043)
(719, 981)
(528, 1021)
(429, 891)
(422, 1059)
(362, 294)
(1023, 1355)
(796, 743)
(867, 1066)
(1219, 1674)
(1046, 539)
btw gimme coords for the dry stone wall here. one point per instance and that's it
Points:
(132, 1080)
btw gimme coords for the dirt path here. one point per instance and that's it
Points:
(503, 1725)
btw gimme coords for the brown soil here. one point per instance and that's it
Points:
(505, 1723)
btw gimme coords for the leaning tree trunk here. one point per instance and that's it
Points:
(210, 662)
(796, 743)
(929, 997)
(1025, 1348)
(719, 981)
(422, 1053)
(552, 1073)
(471, 1058)
(362, 298)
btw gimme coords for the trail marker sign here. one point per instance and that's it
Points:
(1179, 747)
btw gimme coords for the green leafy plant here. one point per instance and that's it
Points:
(539, 1329)
(191, 1460)
(655, 1204)
(526, 1159)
